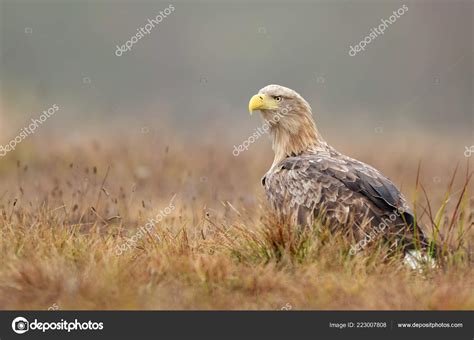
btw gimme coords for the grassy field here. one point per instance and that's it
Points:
(74, 233)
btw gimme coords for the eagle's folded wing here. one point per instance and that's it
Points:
(342, 189)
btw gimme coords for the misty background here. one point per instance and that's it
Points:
(197, 69)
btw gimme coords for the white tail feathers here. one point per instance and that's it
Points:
(418, 260)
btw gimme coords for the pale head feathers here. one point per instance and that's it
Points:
(292, 128)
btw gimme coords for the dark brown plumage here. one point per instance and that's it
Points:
(311, 180)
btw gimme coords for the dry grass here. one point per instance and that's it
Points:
(66, 208)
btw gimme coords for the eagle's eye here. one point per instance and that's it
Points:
(277, 98)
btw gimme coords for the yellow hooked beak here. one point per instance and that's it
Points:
(262, 102)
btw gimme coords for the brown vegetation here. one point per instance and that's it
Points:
(66, 207)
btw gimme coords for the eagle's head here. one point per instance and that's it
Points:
(277, 101)
(290, 119)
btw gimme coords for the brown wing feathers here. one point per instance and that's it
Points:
(346, 190)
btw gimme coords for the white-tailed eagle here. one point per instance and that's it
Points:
(309, 179)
